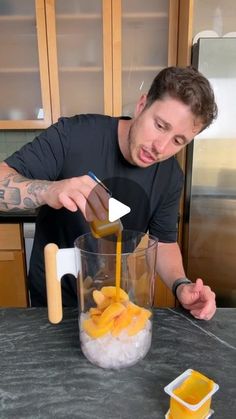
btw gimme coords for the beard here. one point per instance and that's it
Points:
(137, 151)
(131, 145)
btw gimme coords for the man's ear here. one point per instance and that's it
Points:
(140, 105)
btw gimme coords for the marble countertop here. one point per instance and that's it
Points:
(43, 373)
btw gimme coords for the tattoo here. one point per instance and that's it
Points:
(29, 203)
(41, 185)
(25, 197)
(5, 182)
(36, 187)
(20, 179)
(10, 196)
(3, 207)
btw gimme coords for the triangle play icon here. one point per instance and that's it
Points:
(116, 209)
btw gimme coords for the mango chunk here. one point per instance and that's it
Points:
(105, 304)
(95, 331)
(112, 316)
(94, 311)
(96, 319)
(98, 297)
(133, 308)
(110, 292)
(101, 301)
(112, 311)
(138, 322)
(121, 322)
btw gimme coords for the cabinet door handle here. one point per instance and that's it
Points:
(5, 256)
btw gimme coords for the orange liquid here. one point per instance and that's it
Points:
(104, 228)
(118, 264)
(195, 388)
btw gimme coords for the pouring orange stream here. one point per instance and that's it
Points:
(118, 243)
(118, 264)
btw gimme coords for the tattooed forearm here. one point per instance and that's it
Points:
(3, 207)
(29, 203)
(10, 196)
(20, 179)
(16, 191)
(12, 177)
(35, 188)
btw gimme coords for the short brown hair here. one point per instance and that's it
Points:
(190, 87)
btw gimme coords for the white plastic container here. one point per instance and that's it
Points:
(180, 408)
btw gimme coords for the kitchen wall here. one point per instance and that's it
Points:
(11, 141)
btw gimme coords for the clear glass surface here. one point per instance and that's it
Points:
(127, 335)
(80, 56)
(144, 47)
(19, 65)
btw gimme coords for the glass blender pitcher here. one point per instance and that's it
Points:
(115, 287)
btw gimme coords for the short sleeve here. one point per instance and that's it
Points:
(43, 158)
(164, 223)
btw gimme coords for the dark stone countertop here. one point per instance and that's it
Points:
(43, 373)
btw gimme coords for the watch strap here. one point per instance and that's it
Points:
(178, 282)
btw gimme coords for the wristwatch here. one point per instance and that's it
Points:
(178, 282)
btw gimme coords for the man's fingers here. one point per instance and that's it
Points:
(199, 299)
(74, 204)
(207, 308)
(196, 305)
(96, 192)
(193, 291)
(96, 196)
(198, 286)
(205, 314)
(97, 205)
(67, 202)
(84, 194)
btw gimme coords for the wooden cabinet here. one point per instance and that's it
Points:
(104, 54)
(79, 51)
(13, 288)
(144, 41)
(62, 58)
(24, 79)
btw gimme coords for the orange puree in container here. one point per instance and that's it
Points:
(192, 391)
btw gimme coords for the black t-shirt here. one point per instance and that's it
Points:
(73, 147)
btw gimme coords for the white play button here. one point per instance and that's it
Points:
(116, 209)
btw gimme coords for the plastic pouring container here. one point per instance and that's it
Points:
(190, 394)
(115, 322)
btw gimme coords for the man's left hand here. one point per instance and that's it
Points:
(198, 298)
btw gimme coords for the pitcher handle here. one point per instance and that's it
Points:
(57, 263)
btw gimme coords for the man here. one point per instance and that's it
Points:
(51, 173)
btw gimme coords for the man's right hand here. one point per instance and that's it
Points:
(83, 193)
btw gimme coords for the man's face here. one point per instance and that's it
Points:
(160, 131)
